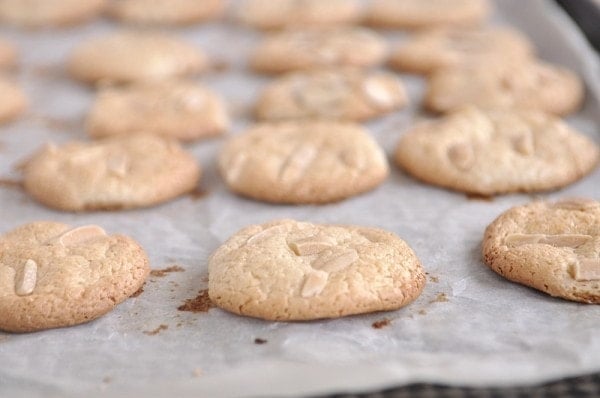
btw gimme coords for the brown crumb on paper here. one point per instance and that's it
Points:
(477, 196)
(107, 380)
(381, 323)
(260, 341)
(138, 292)
(434, 279)
(163, 272)
(157, 330)
(197, 372)
(440, 298)
(198, 193)
(422, 312)
(201, 303)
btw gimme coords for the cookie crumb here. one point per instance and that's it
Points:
(422, 312)
(434, 279)
(381, 323)
(157, 330)
(260, 341)
(138, 292)
(11, 183)
(107, 380)
(201, 303)
(480, 197)
(440, 298)
(197, 372)
(220, 66)
(198, 193)
(163, 272)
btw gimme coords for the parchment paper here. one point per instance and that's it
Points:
(488, 332)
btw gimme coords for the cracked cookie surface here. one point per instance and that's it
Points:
(552, 247)
(290, 270)
(53, 275)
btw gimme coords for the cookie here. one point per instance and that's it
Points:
(303, 162)
(53, 275)
(165, 12)
(425, 52)
(12, 101)
(287, 270)
(48, 13)
(301, 49)
(494, 152)
(114, 173)
(179, 109)
(529, 85)
(268, 14)
(331, 94)
(551, 247)
(419, 14)
(8, 55)
(125, 57)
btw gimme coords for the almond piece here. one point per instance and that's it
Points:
(378, 93)
(560, 240)
(266, 234)
(336, 261)
(117, 165)
(578, 204)
(587, 270)
(79, 235)
(311, 245)
(314, 283)
(26, 280)
(295, 166)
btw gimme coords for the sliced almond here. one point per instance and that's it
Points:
(560, 240)
(336, 261)
(266, 233)
(577, 204)
(523, 239)
(235, 168)
(295, 166)
(378, 93)
(314, 283)
(26, 280)
(79, 235)
(462, 156)
(311, 245)
(587, 270)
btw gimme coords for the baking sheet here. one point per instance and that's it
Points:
(469, 327)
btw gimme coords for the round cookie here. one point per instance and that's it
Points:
(317, 48)
(494, 152)
(269, 14)
(8, 55)
(303, 162)
(179, 109)
(12, 101)
(53, 275)
(114, 173)
(442, 48)
(529, 85)
(48, 13)
(418, 14)
(288, 271)
(134, 56)
(165, 12)
(331, 94)
(552, 247)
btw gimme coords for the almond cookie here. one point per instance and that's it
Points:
(48, 13)
(183, 110)
(269, 14)
(12, 101)
(8, 55)
(529, 85)
(165, 12)
(303, 162)
(135, 56)
(345, 94)
(493, 152)
(552, 247)
(417, 14)
(289, 270)
(431, 50)
(53, 275)
(317, 48)
(114, 173)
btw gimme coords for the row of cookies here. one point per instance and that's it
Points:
(53, 275)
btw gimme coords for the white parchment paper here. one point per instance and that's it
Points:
(488, 332)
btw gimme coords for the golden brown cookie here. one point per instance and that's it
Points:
(48, 13)
(290, 270)
(552, 247)
(12, 101)
(165, 12)
(53, 275)
(8, 55)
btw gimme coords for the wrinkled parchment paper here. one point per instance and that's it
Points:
(470, 326)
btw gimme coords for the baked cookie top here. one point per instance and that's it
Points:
(130, 56)
(165, 12)
(296, 49)
(8, 55)
(528, 85)
(269, 14)
(180, 109)
(53, 275)
(12, 101)
(303, 162)
(331, 94)
(290, 270)
(48, 13)
(552, 247)
(492, 152)
(418, 14)
(441, 48)
(113, 173)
